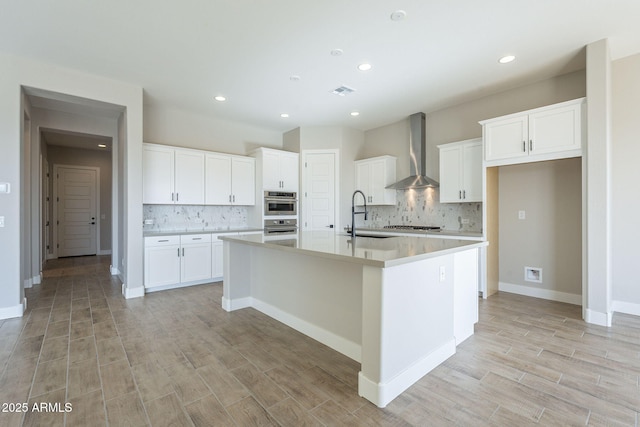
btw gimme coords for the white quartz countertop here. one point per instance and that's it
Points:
(214, 230)
(378, 252)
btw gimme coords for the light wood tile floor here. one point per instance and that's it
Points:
(175, 358)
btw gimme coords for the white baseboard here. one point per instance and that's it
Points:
(37, 280)
(535, 292)
(236, 304)
(129, 293)
(625, 307)
(336, 342)
(382, 394)
(114, 270)
(105, 252)
(28, 283)
(15, 311)
(51, 256)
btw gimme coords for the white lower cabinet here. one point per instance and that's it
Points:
(195, 259)
(183, 260)
(161, 261)
(171, 261)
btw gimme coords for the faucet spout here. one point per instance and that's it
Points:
(354, 213)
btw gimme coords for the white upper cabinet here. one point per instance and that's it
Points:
(461, 171)
(279, 170)
(372, 176)
(189, 177)
(172, 175)
(229, 180)
(547, 133)
(157, 175)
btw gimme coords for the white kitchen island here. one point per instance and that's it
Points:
(397, 305)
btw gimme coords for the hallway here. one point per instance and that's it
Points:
(176, 358)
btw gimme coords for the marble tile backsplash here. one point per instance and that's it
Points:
(422, 207)
(193, 218)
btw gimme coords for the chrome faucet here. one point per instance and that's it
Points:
(353, 211)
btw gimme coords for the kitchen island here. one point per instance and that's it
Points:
(385, 302)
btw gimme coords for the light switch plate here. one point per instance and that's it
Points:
(5, 187)
(522, 215)
(1, 221)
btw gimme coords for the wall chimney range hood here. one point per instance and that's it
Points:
(417, 157)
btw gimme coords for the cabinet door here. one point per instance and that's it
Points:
(217, 259)
(243, 179)
(271, 171)
(218, 180)
(289, 172)
(377, 182)
(363, 180)
(157, 175)
(471, 173)
(195, 262)
(189, 178)
(161, 265)
(450, 175)
(506, 138)
(554, 130)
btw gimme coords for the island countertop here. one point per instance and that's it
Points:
(378, 252)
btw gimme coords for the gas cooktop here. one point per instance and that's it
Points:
(413, 227)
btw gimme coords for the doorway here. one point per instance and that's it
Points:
(319, 180)
(76, 204)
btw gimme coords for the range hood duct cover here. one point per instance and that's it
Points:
(417, 157)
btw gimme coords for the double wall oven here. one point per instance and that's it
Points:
(280, 211)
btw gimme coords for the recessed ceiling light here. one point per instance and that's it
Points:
(337, 52)
(284, 115)
(220, 98)
(355, 113)
(102, 145)
(398, 15)
(506, 59)
(364, 67)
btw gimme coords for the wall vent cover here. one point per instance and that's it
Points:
(343, 90)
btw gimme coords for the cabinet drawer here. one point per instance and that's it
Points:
(195, 238)
(161, 241)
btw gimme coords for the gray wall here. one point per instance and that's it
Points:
(100, 159)
(550, 236)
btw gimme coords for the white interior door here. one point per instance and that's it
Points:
(320, 190)
(76, 209)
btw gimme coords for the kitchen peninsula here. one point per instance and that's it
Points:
(398, 305)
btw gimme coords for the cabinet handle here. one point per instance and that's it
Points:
(166, 240)
(172, 197)
(229, 197)
(531, 145)
(182, 251)
(524, 146)
(464, 194)
(177, 196)
(178, 252)
(234, 198)
(196, 238)
(459, 194)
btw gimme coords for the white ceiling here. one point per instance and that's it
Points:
(183, 53)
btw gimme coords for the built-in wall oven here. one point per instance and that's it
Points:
(276, 227)
(280, 203)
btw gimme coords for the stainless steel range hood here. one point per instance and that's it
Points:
(417, 157)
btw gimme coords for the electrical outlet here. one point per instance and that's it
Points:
(442, 273)
(522, 215)
(1, 221)
(465, 220)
